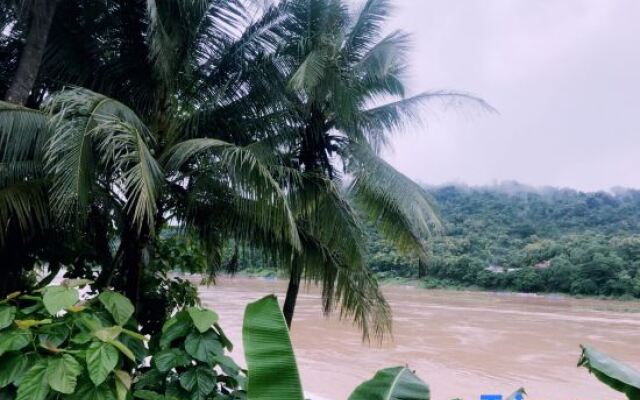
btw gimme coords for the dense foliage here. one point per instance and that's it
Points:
(233, 121)
(517, 238)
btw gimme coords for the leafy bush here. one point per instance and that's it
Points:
(56, 346)
(53, 346)
(191, 363)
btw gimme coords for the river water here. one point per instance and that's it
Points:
(462, 343)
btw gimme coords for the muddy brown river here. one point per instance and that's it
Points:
(463, 344)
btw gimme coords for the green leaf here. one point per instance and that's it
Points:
(171, 358)
(54, 335)
(34, 385)
(136, 346)
(57, 298)
(101, 358)
(123, 349)
(611, 372)
(203, 346)
(14, 340)
(108, 334)
(118, 305)
(265, 333)
(12, 368)
(176, 327)
(88, 391)
(62, 373)
(123, 384)
(200, 381)
(202, 319)
(223, 338)
(7, 315)
(391, 384)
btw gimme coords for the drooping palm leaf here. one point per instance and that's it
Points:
(400, 207)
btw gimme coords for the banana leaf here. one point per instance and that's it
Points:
(273, 372)
(397, 383)
(611, 372)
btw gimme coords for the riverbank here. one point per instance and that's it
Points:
(433, 283)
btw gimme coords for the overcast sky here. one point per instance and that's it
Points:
(563, 74)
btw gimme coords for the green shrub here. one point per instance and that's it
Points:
(54, 346)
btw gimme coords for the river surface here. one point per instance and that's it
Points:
(462, 343)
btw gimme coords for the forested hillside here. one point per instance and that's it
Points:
(534, 240)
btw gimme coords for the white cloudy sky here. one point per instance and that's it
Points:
(563, 74)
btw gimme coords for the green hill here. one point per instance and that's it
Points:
(536, 240)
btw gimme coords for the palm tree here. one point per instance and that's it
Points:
(162, 141)
(345, 96)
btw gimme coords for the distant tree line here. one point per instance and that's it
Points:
(511, 237)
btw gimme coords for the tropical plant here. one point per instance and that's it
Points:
(190, 362)
(162, 142)
(345, 94)
(265, 333)
(611, 372)
(55, 346)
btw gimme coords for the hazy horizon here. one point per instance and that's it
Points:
(563, 76)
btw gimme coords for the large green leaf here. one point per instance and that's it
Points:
(202, 319)
(397, 383)
(34, 385)
(200, 381)
(123, 384)
(62, 373)
(7, 315)
(264, 334)
(171, 358)
(12, 368)
(53, 335)
(57, 298)
(119, 306)
(101, 358)
(203, 346)
(13, 340)
(176, 327)
(615, 374)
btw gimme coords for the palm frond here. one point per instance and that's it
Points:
(249, 176)
(24, 204)
(404, 212)
(123, 145)
(349, 287)
(23, 132)
(97, 134)
(310, 71)
(367, 27)
(381, 120)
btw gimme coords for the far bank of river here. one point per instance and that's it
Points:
(462, 343)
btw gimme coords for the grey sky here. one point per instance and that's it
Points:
(563, 74)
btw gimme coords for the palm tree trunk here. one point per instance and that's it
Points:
(292, 293)
(422, 269)
(133, 262)
(41, 17)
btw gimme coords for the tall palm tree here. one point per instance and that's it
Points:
(345, 96)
